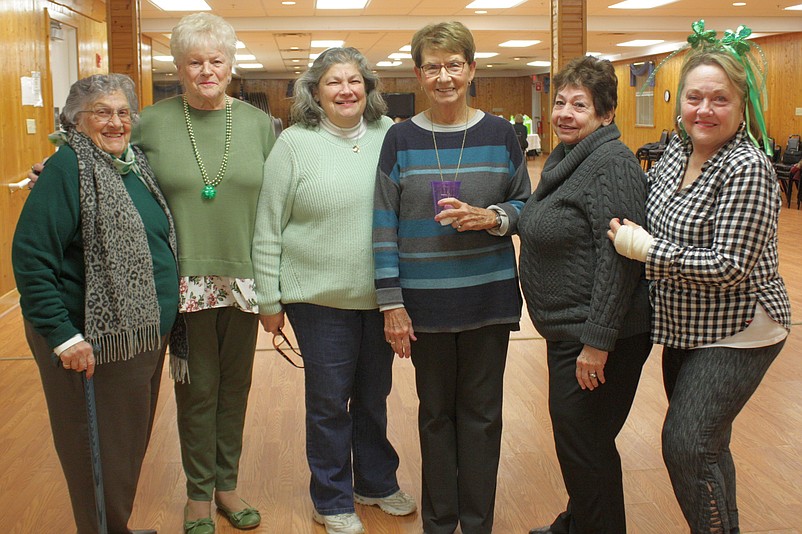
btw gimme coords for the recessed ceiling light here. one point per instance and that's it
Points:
(481, 12)
(489, 66)
(640, 4)
(739, 4)
(405, 48)
(250, 66)
(399, 55)
(641, 42)
(289, 3)
(484, 55)
(162, 58)
(296, 60)
(388, 63)
(539, 63)
(313, 57)
(494, 4)
(181, 5)
(797, 7)
(594, 54)
(322, 43)
(341, 4)
(294, 48)
(516, 59)
(240, 44)
(244, 57)
(519, 43)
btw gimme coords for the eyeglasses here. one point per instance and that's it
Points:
(279, 340)
(105, 114)
(452, 67)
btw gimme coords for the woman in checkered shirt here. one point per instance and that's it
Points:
(720, 306)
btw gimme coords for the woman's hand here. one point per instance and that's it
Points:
(466, 217)
(398, 331)
(590, 367)
(630, 240)
(272, 323)
(79, 357)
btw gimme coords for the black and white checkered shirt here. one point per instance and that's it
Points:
(715, 250)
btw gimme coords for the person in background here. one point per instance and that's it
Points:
(590, 304)
(721, 310)
(312, 258)
(521, 132)
(448, 284)
(208, 151)
(94, 260)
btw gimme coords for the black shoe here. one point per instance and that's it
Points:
(542, 530)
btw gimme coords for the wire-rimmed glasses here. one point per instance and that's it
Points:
(105, 114)
(452, 67)
(279, 340)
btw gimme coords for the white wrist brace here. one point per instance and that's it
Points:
(633, 242)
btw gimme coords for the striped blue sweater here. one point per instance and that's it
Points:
(448, 281)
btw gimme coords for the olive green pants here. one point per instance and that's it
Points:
(211, 406)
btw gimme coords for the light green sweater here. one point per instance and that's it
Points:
(312, 242)
(214, 236)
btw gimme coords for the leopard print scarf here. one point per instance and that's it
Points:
(122, 311)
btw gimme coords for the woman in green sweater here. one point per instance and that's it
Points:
(208, 150)
(94, 262)
(312, 257)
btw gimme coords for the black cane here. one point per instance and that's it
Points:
(94, 446)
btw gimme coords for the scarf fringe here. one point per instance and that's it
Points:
(179, 369)
(123, 346)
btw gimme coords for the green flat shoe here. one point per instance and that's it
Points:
(204, 525)
(245, 519)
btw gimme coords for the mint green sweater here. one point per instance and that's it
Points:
(312, 242)
(214, 236)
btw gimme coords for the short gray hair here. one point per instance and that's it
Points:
(307, 111)
(452, 37)
(86, 91)
(202, 29)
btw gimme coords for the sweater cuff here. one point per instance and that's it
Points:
(598, 336)
(389, 296)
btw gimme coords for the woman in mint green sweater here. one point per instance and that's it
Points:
(313, 259)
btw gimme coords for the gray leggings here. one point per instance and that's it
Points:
(706, 389)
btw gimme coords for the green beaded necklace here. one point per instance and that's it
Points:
(209, 190)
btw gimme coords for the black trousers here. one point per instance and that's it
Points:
(126, 393)
(460, 381)
(585, 425)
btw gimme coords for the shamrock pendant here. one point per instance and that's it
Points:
(209, 192)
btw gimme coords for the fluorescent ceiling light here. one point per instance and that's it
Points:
(484, 55)
(739, 4)
(244, 57)
(519, 43)
(797, 7)
(163, 58)
(539, 63)
(313, 57)
(494, 4)
(288, 3)
(250, 66)
(405, 48)
(640, 4)
(326, 44)
(240, 44)
(181, 5)
(481, 12)
(594, 54)
(641, 42)
(399, 55)
(388, 63)
(341, 4)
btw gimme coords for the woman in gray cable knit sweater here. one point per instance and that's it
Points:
(590, 304)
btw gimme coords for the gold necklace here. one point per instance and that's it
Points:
(355, 148)
(437, 153)
(209, 189)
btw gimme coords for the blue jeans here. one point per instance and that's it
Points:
(707, 388)
(348, 367)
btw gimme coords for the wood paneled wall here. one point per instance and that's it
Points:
(506, 96)
(24, 34)
(783, 84)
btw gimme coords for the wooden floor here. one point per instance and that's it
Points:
(767, 443)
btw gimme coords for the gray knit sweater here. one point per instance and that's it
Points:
(576, 286)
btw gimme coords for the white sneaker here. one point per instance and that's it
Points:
(399, 503)
(339, 523)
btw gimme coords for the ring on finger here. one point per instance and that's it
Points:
(593, 375)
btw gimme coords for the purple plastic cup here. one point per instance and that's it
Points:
(444, 189)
